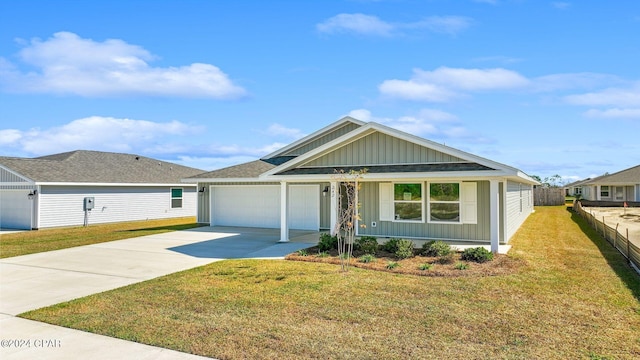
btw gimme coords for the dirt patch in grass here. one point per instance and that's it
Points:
(500, 265)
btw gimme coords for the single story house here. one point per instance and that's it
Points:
(619, 187)
(82, 187)
(575, 188)
(414, 188)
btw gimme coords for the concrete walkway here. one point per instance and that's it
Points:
(33, 281)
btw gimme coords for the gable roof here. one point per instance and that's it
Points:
(83, 166)
(473, 162)
(277, 166)
(623, 177)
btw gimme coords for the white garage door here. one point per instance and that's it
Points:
(259, 206)
(15, 209)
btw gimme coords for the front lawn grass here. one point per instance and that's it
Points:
(29, 242)
(575, 298)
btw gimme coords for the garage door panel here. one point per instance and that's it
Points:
(259, 206)
(15, 209)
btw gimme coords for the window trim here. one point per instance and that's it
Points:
(171, 198)
(459, 202)
(394, 201)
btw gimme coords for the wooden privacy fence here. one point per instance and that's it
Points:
(613, 236)
(548, 196)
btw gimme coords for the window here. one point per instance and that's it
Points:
(577, 191)
(604, 191)
(444, 202)
(176, 198)
(407, 202)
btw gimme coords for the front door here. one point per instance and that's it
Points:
(619, 193)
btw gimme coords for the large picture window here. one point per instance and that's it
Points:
(444, 202)
(176, 198)
(407, 202)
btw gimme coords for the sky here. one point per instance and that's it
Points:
(548, 87)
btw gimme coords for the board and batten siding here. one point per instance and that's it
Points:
(63, 205)
(308, 146)
(381, 149)
(368, 197)
(518, 206)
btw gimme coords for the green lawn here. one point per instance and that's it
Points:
(29, 242)
(574, 299)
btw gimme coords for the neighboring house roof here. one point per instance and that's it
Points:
(623, 177)
(83, 166)
(577, 183)
(306, 158)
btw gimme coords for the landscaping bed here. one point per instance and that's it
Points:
(449, 267)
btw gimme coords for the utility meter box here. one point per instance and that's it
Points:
(89, 203)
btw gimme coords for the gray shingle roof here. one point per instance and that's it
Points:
(84, 166)
(623, 177)
(247, 170)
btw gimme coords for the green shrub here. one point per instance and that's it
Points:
(405, 249)
(323, 254)
(461, 266)
(477, 254)
(367, 244)
(391, 245)
(425, 266)
(392, 265)
(367, 258)
(445, 259)
(303, 252)
(436, 248)
(327, 242)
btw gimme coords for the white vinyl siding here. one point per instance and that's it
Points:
(515, 192)
(63, 205)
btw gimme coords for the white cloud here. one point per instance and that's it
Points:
(280, 130)
(356, 23)
(560, 4)
(444, 83)
(96, 133)
(69, 64)
(629, 97)
(614, 113)
(372, 25)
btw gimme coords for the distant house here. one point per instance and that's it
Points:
(413, 188)
(621, 186)
(575, 188)
(54, 190)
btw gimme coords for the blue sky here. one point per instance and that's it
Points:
(550, 87)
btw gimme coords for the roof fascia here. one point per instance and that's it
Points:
(112, 184)
(226, 180)
(315, 135)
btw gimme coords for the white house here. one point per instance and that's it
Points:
(92, 187)
(621, 186)
(413, 188)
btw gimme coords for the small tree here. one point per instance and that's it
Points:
(347, 210)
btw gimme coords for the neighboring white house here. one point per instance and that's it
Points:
(575, 188)
(54, 190)
(621, 186)
(413, 188)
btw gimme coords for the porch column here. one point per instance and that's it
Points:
(334, 207)
(494, 215)
(284, 211)
(598, 192)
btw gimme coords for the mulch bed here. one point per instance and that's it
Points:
(500, 265)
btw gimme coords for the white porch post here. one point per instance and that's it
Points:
(598, 192)
(284, 212)
(494, 215)
(334, 207)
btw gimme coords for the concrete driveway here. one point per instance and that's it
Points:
(33, 281)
